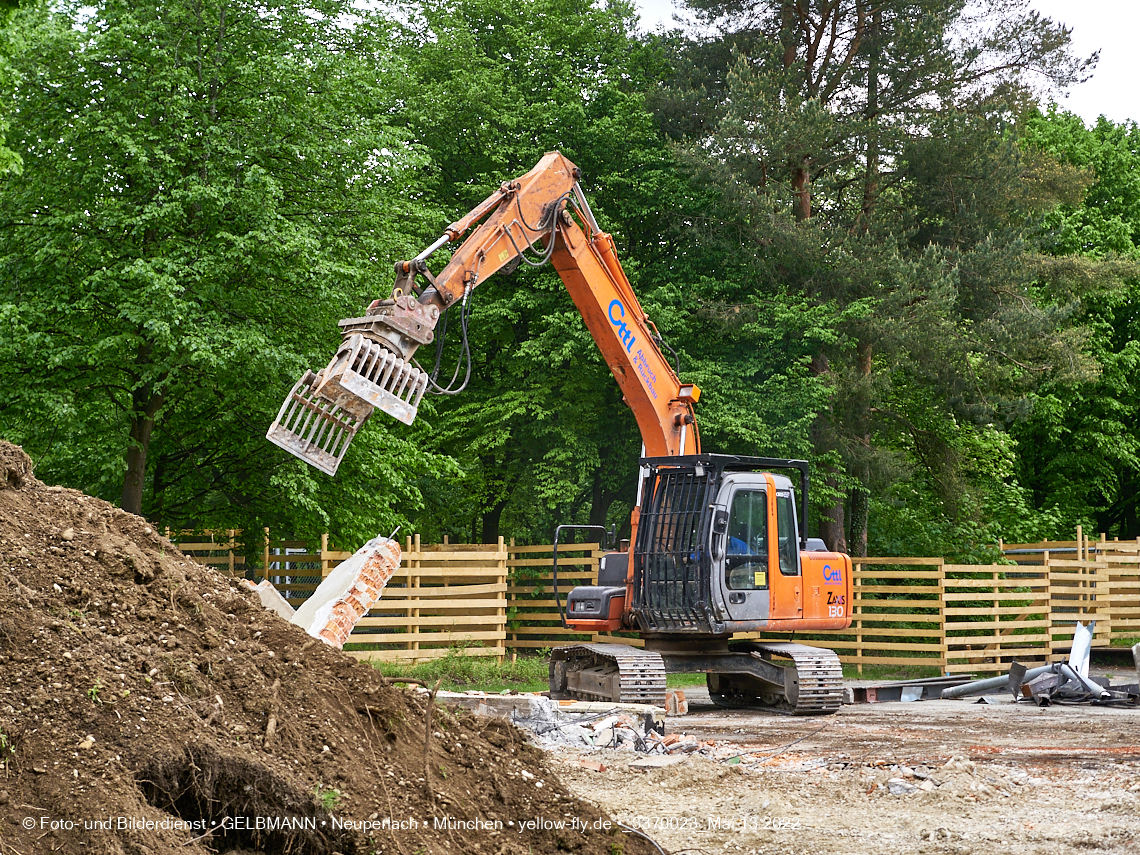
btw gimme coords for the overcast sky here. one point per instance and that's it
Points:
(1111, 26)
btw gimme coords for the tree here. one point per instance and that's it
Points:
(1080, 448)
(835, 130)
(207, 188)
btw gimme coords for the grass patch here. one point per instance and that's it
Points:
(681, 681)
(891, 672)
(528, 673)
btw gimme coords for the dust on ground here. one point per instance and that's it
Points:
(150, 705)
(927, 777)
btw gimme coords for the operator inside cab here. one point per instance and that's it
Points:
(746, 554)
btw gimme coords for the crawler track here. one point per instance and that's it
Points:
(617, 673)
(811, 684)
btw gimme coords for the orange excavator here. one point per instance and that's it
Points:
(719, 543)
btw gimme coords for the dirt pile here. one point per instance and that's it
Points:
(150, 705)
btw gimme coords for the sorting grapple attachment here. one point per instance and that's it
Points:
(365, 375)
(312, 427)
(324, 411)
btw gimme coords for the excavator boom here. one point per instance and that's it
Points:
(373, 368)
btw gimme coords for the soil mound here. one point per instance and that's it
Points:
(150, 705)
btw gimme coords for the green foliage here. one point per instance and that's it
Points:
(1082, 443)
(869, 174)
(327, 797)
(206, 186)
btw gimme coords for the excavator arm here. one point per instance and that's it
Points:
(543, 209)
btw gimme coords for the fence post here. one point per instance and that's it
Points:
(416, 611)
(230, 546)
(945, 658)
(502, 580)
(265, 555)
(1047, 572)
(510, 599)
(857, 610)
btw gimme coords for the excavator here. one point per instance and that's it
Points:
(718, 544)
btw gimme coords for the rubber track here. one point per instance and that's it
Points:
(641, 674)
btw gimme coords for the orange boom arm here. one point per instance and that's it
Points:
(533, 210)
(541, 211)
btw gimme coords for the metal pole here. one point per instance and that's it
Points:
(981, 686)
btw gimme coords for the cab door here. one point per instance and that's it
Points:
(742, 548)
(787, 596)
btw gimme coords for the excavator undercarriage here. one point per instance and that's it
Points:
(745, 675)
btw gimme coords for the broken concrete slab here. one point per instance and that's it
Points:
(348, 592)
(524, 705)
(271, 598)
(899, 787)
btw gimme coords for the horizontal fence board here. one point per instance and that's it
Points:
(976, 640)
(423, 654)
(896, 574)
(975, 626)
(869, 632)
(430, 620)
(859, 562)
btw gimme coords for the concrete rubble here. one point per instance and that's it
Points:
(640, 729)
(343, 597)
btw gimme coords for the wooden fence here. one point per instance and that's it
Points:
(498, 599)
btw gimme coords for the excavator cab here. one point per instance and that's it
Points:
(720, 549)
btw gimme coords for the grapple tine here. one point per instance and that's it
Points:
(312, 427)
(365, 375)
(323, 411)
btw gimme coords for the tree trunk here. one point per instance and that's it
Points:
(801, 187)
(871, 179)
(600, 501)
(146, 406)
(860, 513)
(861, 496)
(831, 521)
(491, 518)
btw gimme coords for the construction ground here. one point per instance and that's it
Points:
(930, 776)
(150, 705)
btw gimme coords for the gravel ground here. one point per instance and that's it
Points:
(933, 776)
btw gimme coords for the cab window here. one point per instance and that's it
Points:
(789, 545)
(746, 550)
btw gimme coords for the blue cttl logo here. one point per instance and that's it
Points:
(832, 575)
(624, 332)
